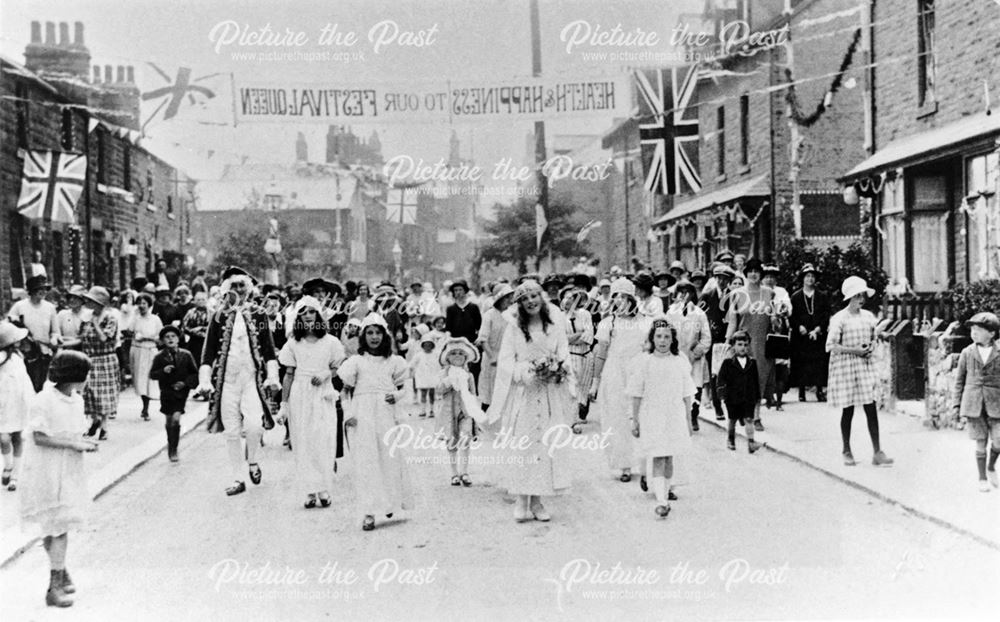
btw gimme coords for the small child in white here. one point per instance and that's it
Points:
(16, 393)
(459, 405)
(54, 493)
(426, 372)
(662, 392)
(977, 389)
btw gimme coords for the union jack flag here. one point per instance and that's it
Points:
(51, 184)
(401, 205)
(669, 141)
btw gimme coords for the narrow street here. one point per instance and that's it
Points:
(750, 537)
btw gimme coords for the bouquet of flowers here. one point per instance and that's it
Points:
(549, 369)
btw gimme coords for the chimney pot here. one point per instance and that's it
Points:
(36, 32)
(97, 74)
(63, 33)
(50, 33)
(121, 73)
(109, 74)
(78, 38)
(130, 74)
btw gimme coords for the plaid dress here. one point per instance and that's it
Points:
(852, 378)
(100, 395)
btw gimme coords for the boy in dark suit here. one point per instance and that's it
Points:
(739, 389)
(174, 368)
(977, 387)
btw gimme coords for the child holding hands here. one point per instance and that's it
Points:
(55, 486)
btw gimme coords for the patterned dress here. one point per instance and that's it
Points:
(100, 396)
(852, 378)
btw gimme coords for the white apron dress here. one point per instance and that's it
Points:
(490, 335)
(312, 410)
(381, 479)
(662, 382)
(627, 340)
(141, 355)
(528, 409)
(53, 486)
(16, 394)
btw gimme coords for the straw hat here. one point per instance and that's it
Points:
(854, 285)
(623, 286)
(459, 344)
(9, 333)
(99, 295)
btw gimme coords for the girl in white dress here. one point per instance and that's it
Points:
(16, 392)
(146, 327)
(374, 382)
(426, 374)
(54, 493)
(531, 403)
(309, 400)
(621, 338)
(662, 391)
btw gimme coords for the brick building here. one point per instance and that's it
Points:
(933, 147)
(745, 147)
(134, 207)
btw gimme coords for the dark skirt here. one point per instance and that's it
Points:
(810, 362)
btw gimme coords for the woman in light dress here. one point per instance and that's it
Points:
(490, 334)
(533, 409)
(145, 328)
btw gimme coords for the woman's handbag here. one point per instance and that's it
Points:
(777, 346)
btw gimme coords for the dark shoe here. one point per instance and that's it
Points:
(6, 477)
(12, 486)
(802, 395)
(625, 478)
(324, 501)
(578, 427)
(820, 395)
(310, 502)
(255, 474)
(662, 510)
(103, 436)
(465, 480)
(456, 480)
(777, 406)
(694, 423)
(849, 459)
(731, 444)
(769, 403)
(758, 426)
(173, 438)
(369, 523)
(57, 596)
(236, 489)
(94, 427)
(642, 484)
(389, 515)
(145, 416)
(67, 583)
(720, 417)
(754, 446)
(671, 496)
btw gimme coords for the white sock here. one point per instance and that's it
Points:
(236, 461)
(659, 484)
(8, 460)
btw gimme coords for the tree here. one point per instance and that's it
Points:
(513, 234)
(244, 246)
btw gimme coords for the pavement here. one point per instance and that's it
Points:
(751, 537)
(131, 443)
(934, 475)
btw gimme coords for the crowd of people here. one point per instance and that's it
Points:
(340, 366)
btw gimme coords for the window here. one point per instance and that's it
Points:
(127, 168)
(23, 115)
(67, 129)
(926, 64)
(102, 172)
(745, 130)
(929, 234)
(720, 139)
(982, 175)
(170, 206)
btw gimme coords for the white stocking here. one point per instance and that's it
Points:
(659, 484)
(236, 461)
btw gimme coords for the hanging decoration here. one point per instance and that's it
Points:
(793, 102)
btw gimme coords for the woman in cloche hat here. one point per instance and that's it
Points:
(809, 320)
(852, 376)
(99, 340)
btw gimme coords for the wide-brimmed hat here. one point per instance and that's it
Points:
(35, 283)
(809, 268)
(427, 338)
(604, 283)
(770, 269)
(698, 274)
(725, 255)
(677, 265)
(685, 284)
(501, 291)
(553, 280)
(169, 328)
(460, 344)
(10, 333)
(722, 269)
(76, 290)
(459, 283)
(323, 285)
(69, 366)
(987, 320)
(854, 285)
(581, 281)
(624, 287)
(232, 271)
(99, 295)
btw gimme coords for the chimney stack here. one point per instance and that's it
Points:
(130, 74)
(63, 34)
(53, 58)
(109, 74)
(78, 38)
(97, 74)
(50, 33)
(36, 32)
(121, 73)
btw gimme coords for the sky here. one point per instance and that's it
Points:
(462, 40)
